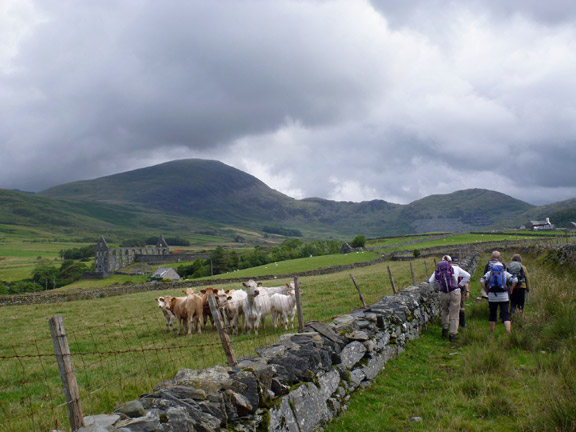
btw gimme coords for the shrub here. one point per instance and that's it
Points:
(359, 241)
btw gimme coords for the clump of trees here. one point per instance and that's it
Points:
(46, 276)
(359, 241)
(80, 253)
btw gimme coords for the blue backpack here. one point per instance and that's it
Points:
(443, 275)
(497, 279)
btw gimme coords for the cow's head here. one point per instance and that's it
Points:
(161, 302)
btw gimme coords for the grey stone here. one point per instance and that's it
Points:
(249, 389)
(329, 382)
(242, 404)
(356, 377)
(210, 380)
(184, 392)
(148, 423)
(102, 420)
(268, 352)
(325, 331)
(343, 322)
(282, 418)
(352, 353)
(208, 423)
(370, 345)
(357, 335)
(310, 408)
(131, 409)
(374, 366)
(97, 423)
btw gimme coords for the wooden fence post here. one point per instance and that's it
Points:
(298, 305)
(412, 272)
(224, 338)
(426, 268)
(391, 280)
(64, 359)
(359, 292)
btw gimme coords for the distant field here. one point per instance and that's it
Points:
(301, 265)
(459, 239)
(18, 259)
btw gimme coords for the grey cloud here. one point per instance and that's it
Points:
(353, 100)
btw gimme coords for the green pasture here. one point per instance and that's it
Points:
(390, 241)
(300, 265)
(126, 350)
(19, 258)
(461, 239)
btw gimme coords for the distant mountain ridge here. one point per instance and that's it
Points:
(193, 194)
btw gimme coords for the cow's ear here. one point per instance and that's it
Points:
(227, 291)
(203, 291)
(156, 299)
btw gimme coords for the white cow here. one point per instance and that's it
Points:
(283, 305)
(256, 306)
(168, 315)
(231, 302)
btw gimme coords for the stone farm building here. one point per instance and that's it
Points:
(165, 273)
(541, 225)
(111, 259)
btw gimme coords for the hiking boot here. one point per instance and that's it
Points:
(452, 337)
(444, 333)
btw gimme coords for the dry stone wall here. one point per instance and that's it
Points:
(297, 384)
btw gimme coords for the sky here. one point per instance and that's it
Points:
(347, 100)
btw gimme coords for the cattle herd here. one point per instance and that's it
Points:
(250, 304)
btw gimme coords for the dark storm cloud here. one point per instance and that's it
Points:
(341, 99)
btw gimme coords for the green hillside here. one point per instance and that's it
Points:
(196, 198)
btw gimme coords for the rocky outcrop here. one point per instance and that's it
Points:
(297, 384)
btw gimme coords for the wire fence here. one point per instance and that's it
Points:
(117, 360)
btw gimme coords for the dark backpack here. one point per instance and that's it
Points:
(517, 270)
(443, 274)
(497, 279)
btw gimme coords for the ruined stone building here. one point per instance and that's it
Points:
(111, 259)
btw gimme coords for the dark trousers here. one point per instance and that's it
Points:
(504, 311)
(517, 299)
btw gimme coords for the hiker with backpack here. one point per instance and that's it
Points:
(494, 258)
(497, 283)
(446, 279)
(518, 296)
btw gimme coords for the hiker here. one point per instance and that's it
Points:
(464, 294)
(518, 296)
(497, 283)
(495, 258)
(445, 278)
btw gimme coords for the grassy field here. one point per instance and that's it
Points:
(123, 350)
(525, 381)
(459, 239)
(18, 258)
